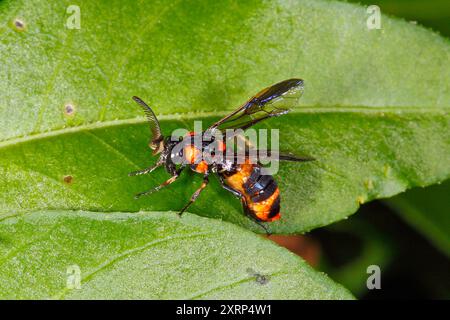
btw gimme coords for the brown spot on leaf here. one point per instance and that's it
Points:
(69, 109)
(68, 179)
(19, 24)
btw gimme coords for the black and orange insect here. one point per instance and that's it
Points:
(259, 193)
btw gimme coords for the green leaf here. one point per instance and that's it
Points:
(427, 210)
(431, 13)
(374, 100)
(148, 255)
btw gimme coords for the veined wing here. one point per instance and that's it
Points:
(270, 102)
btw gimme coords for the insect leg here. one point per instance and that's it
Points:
(249, 214)
(146, 170)
(244, 204)
(261, 225)
(196, 194)
(226, 187)
(166, 183)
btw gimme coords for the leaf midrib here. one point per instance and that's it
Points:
(194, 115)
(232, 284)
(127, 253)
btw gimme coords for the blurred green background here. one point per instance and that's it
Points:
(407, 236)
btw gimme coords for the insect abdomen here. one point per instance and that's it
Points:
(260, 192)
(263, 195)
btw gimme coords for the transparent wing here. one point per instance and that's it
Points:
(258, 155)
(269, 102)
(282, 156)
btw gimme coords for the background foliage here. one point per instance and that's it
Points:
(406, 235)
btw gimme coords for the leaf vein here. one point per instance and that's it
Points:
(233, 284)
(129, 253)
(196, 115)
